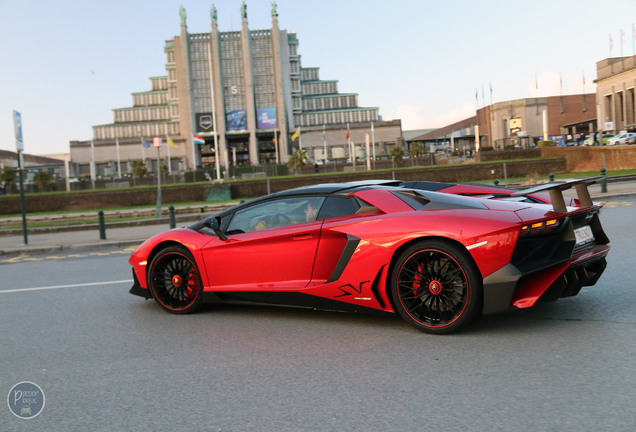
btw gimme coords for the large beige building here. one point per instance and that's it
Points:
(232, 98)
(615, 85)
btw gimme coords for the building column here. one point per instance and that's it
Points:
(218, 101)
(185, 107)
(280, 97)
(249, 90)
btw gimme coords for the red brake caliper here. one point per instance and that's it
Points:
(416, 281)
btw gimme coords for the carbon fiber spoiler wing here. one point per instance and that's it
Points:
(556, 192)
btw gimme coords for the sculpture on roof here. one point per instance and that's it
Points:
(182, 14)
(274, 12)
(213, 12)
(243, 10)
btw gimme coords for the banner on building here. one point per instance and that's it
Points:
(266, 118)
(236, 120)
(204, 122)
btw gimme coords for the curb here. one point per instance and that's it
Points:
(40, 250)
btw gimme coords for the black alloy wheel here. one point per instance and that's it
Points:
(436, 287)
(174, 280)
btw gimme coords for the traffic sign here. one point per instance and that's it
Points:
(17, 123)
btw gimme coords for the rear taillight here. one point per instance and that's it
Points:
(542, 227)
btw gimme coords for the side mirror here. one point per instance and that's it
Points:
(214, 224)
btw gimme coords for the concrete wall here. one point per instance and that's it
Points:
(581, 159)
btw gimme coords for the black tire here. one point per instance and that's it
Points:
(436, 287)
(174, 280)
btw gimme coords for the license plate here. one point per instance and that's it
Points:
(583, 234)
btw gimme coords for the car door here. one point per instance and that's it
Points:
(270, 246)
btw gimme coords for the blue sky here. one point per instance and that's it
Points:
(68, 63)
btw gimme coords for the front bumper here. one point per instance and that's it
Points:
(137, 289)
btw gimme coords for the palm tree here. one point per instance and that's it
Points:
(416, 150)
(397, 153)
(139, 168)
(7, 176)
(43, 180)
(298, 160)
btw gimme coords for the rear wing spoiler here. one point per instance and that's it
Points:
(556, 192)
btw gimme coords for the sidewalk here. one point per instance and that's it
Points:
(52, 242)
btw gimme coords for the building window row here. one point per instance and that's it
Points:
(320, 88)
(293, 49)
(336, 117)
(150, 98)
(133, 131)
(159, 83)
(332, 102)
(146, 114)
(309, 74)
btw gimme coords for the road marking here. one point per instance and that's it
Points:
(614, 204)
(27, 258)
(66, 286)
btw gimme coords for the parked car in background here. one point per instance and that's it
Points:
(621, 138)
(590, 139)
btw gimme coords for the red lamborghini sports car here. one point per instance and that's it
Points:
(438, 259)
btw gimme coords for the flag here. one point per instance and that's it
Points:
(198, 140)
(170, 142)
(145, 143)
(347, 137)
(295, 134)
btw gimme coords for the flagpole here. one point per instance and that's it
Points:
(168, 147)
(352, 150)
(276, 145)
(118, 159)
(373, 142)
(93, 164)
(324, 143)
(300, 139)
(143, 151)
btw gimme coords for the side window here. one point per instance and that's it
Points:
(336, 206)
(274, 214)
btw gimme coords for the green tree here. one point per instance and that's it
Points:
(397, 155)
(139, 169)
(43, 180)
(7, 176)
(416, 150)
(297, 161)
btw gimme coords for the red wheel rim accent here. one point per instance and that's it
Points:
(435, 287)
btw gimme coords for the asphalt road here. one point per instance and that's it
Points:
(109, 361)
